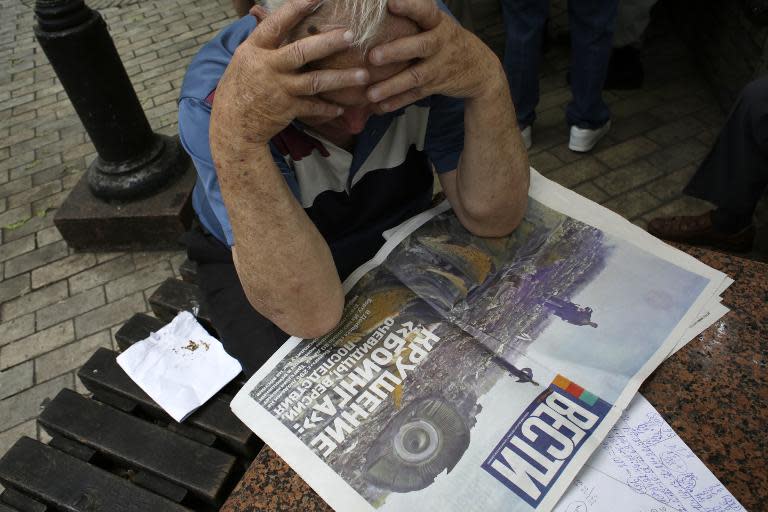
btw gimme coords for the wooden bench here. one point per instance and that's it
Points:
(118, 450)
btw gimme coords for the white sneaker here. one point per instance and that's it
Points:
(527, 137)
(584, 139)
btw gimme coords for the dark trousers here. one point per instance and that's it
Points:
(591, 24)
(734, 174)
(245, 333)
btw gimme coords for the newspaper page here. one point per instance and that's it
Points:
(473, 374)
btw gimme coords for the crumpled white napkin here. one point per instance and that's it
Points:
(180, 366)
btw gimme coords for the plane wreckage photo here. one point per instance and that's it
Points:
(435, 280)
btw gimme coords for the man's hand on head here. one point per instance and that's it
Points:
(266, 85)
(446, 59)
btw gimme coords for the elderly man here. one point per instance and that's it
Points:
(319, 126)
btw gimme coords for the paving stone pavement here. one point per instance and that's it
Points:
(58, 306)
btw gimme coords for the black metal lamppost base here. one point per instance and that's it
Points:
(133, 161)
(140, 177)
(137, 193)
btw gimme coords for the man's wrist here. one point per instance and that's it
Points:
(229, 128)
(490, 73)
(233, 149)
(493, 84)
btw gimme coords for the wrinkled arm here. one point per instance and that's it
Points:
(283, 262)
(489, 190)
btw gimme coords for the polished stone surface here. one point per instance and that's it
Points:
(714, 393)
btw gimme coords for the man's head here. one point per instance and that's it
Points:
(364, 18)
(371, 24)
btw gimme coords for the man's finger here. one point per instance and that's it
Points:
(412, 77)
(299, 53)
(259, 12)
(314, 82)
(275, 28)
(402, 100)
(314, 107)
(405, 49)
(425, 13)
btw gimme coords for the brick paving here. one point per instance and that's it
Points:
(58, 306)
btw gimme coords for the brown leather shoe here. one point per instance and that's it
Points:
(699, 230)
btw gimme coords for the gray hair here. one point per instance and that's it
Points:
(362, 17)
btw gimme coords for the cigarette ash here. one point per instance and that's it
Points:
(191, 347)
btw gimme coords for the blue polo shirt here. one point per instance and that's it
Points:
(351, 197)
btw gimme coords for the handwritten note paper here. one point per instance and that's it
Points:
(643, 466)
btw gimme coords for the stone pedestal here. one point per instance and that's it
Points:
(88, 223)
(134, 164)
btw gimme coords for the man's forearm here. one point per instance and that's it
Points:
(282, 260)
(493, 174)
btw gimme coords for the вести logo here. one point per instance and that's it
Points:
(544, 438)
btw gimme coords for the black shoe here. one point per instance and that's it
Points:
(700, 230)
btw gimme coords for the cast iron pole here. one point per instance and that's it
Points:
(132, 161)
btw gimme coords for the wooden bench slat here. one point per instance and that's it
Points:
(67, 483)
(143, 479)
(73, 448)
(204, 471)
(22, 502)
(195, 434)
(118, 402)
(174, 296)
(101, 374)
(160, 486)
(138, 327)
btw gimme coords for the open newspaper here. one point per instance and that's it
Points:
(473, 374)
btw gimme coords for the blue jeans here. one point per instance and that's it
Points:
(591, 24)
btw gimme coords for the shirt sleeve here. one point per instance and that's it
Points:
(194, 121)
(444, 139)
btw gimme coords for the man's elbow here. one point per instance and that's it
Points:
(312, 318)
(513, 219)
(496, 223)
(318, 321)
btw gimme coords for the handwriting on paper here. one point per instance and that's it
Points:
(645, 466)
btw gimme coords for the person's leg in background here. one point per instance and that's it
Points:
(733, 177)
(246, 334)
(632, 20)
(625, 69)
(524, 27)
(591, 24)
